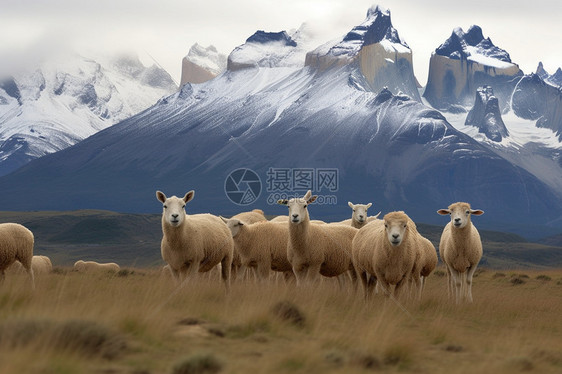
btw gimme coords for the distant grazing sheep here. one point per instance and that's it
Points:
(261, 245)
(460, 249)
(393, 247)
(315, 249)
(92, 266)
(16, 244)
(194, 243)
(359, 216)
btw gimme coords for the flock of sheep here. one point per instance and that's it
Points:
(380, 252)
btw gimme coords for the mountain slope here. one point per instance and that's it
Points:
(69, 98)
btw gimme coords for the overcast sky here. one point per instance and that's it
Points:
(531, 31)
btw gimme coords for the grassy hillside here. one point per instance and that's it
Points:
(139, 321)
(134, 240)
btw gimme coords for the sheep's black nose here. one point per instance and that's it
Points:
(457, 219)
(295, 215)
(395, 236)
(361, 216)
(175, 215)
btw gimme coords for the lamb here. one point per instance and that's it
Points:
(16, 244)
(359, 216)
(392, 246)
(460, 249)
(194, 243)
(262, 245)
(315, 249)
(39, 264)
(93, 266)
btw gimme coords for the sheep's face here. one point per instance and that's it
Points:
(298, 211)
(173, 208)
(460, 214)
(233, 225)
(359, 212)
(396, 227)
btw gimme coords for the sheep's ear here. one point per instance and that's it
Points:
(223, 219)
(443, 212)
(160, 196)
(476, 212)
(283, 202)
(188, 196)
(350, 204)
(312, 199)
(369, 205)
(240, 223)
(378, 214)
(307, 195)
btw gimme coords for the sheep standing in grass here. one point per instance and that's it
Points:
(393, 248)
(93, 266)
(315, 249)
(253, 216)
(425, 263)
(261, 245)
(194, 243)
(359, 216)
(16, 244)
(362, 256)
(460, 249)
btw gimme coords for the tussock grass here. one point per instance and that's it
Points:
(142, 322)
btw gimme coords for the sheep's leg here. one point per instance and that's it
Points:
(226, 263)
(417, 286)
(384, 286)
(300, 272)
(365, 281)
(469, 275)
(263, 272)
(371, 285)
(450, 286)
(457, 284)
(289, 276)
(398, 288)
(313, 274)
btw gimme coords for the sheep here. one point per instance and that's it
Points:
(16, 244)
(362, 257)
(193, 243)
(315, 249)
(425, 262)
(285, 219)
(460, 248)
(253, 216)
(392, 245)
(93, 266)
(359, 216)
(261, 245)
(39, 264)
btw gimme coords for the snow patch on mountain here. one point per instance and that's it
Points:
(201, 64)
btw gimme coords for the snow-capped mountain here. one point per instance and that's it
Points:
(201, 64)
(66, 99)
(382, 57)
(486, 115)
(464, 62)
(554, 79)
(283, 120)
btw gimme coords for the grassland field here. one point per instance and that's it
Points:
(139, 321)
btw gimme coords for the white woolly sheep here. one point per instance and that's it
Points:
(253, 216)
(194, 243)
(93, 266)
(393, 247)
(261, 245)
(16, 244)
(359, 217)
(315, 249)
(362, 257)
(425, 263)
(39, 264)
(460, 249)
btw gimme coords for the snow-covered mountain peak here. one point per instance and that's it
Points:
(554, 79)
(208, 58)
(266, 50)
(472, 45)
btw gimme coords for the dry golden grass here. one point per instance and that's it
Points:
(140, 322)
